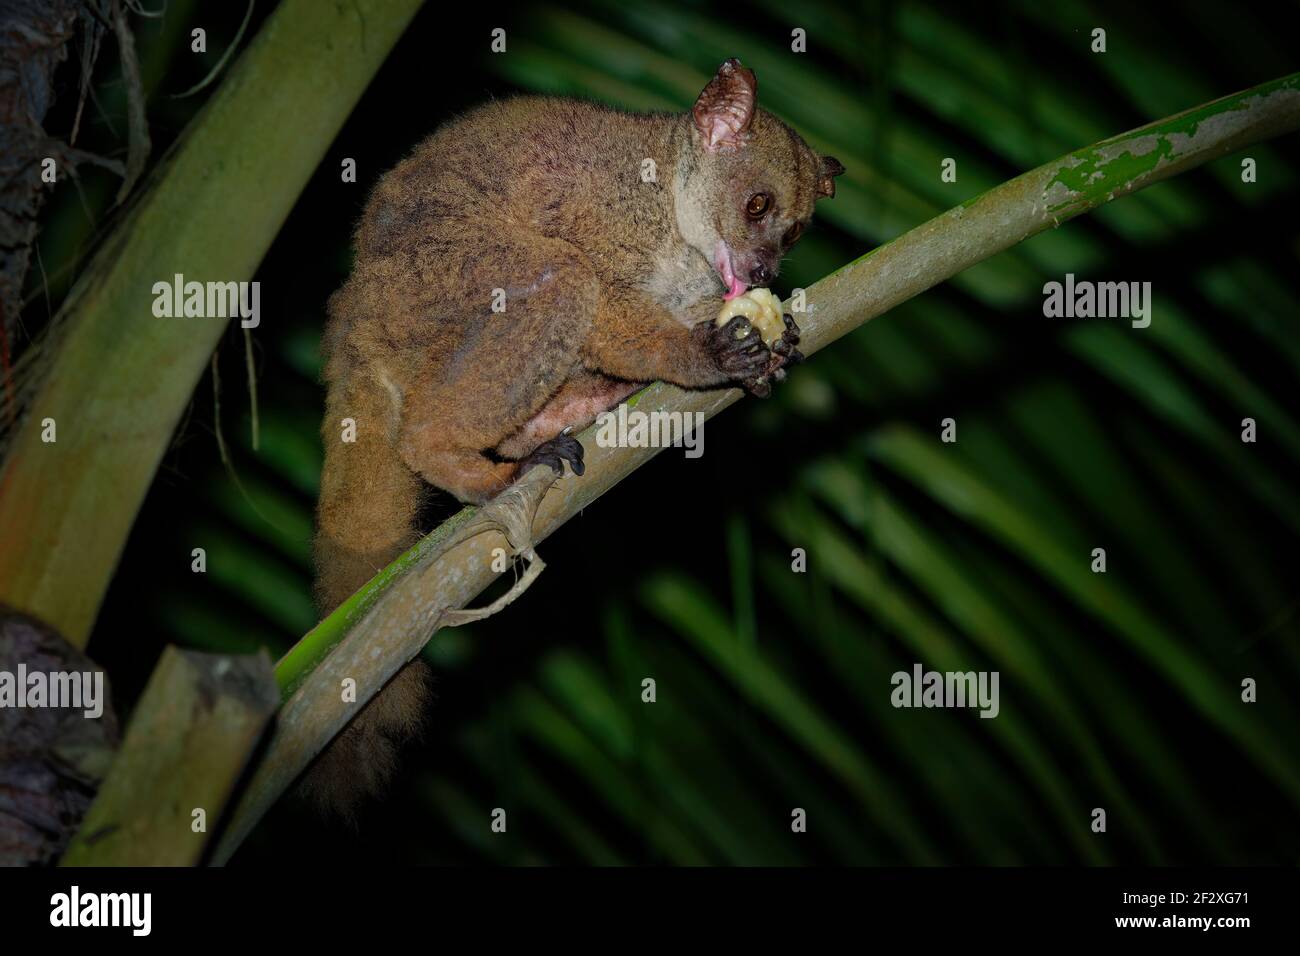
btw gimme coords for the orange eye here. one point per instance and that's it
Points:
(758, 205)
(792, 234)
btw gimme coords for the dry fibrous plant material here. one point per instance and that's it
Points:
(33, 42)
(51, 758)
(35, 37)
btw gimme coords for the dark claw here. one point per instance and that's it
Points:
(740, 353)
(738, 349)
(785, 345)
(783, 354)
(555, 453)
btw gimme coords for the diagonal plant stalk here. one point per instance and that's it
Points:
(114, 378)
(191, 735)
(389, 620)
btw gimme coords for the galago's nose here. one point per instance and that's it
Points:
(760, 275)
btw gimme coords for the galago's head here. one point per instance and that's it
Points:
(746, 183)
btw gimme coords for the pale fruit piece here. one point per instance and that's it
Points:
(762, 308)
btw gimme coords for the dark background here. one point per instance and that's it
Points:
(1119, 691)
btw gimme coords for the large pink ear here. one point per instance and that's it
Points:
(726, 107)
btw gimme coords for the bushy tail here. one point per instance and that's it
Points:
(359, 763)
(365, 518)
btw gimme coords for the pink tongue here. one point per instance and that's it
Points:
(737, 288)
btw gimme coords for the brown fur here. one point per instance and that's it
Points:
(609, 279)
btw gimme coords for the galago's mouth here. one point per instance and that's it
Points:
(723, 263)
